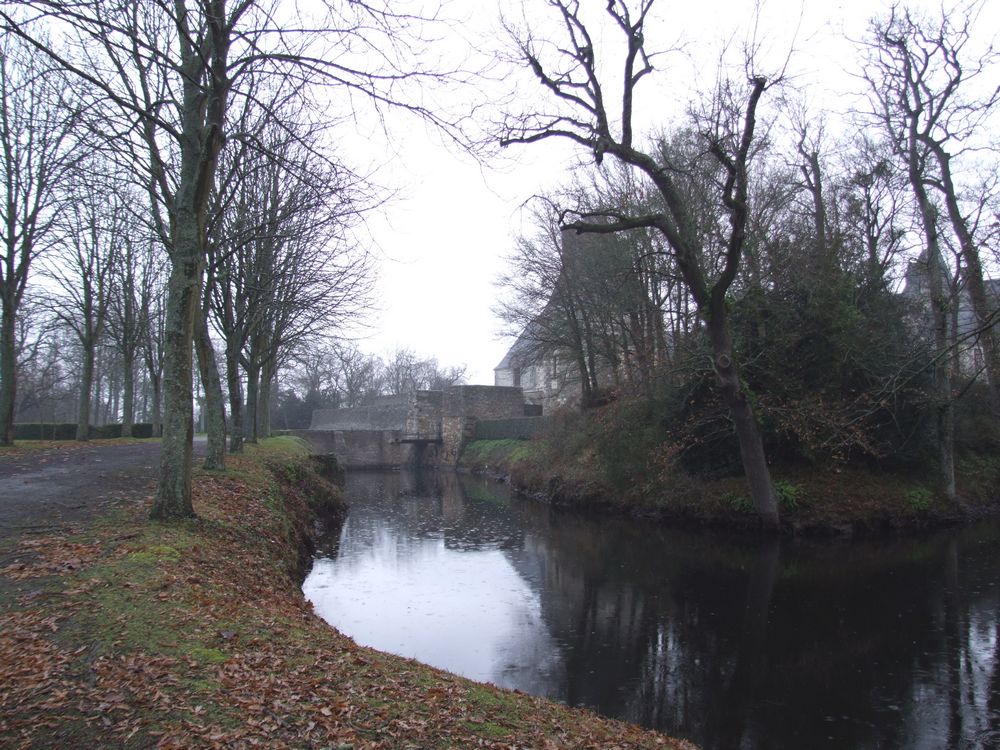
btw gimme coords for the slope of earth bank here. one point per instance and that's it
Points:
(129, 633)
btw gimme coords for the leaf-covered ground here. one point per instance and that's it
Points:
(126, 633)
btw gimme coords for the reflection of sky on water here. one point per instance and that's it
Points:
(464, 610)
(734, 643)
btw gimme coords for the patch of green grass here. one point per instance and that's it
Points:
(131, 596)
(491, 452)
(493, 701)
(789, 494)
(288, 445)
(919, 499)
(208, 655)
(502, 712)
(738, 502)
(487, 729)
(201, 686)
(155, 554)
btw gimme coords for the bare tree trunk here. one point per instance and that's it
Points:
(744, 422)
(173, 497)
(986, 315)
(128, 395)
(94, 389)
(944, 407)
(253, 399)
(86, 386)
(235, 387)
(156, 411)
(8, 374)
(215, 410)
(144, 410)
(264, 408)
(111, 414)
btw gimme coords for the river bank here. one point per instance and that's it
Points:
(730, 640)
(831, 499)
(118, 631)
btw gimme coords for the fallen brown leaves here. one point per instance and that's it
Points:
(195, 636)
(45, 556)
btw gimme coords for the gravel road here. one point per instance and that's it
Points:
(43, 490)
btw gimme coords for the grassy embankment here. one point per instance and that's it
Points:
(607, 462)
(135, 634)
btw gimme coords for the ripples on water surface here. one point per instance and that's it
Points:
(733, 644)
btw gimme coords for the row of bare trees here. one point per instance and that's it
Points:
(202, 116)
(774, 257)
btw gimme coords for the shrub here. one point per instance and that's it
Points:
(919, 499)
(45, 431)
(739, 503)
(788, 494)
(105, 431)
(67, 431)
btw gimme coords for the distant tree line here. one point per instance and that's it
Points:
(339, 375)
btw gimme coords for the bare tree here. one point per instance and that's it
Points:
(875, 199)
(35, 150)
(153, 340)
(91, 229)
(283, 265)
(169, 70)
(403, 372)
(571, 73)
(133, 279)
(357, 375)
(914, 71)
(931, 61)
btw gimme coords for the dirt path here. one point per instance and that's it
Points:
(60, 486)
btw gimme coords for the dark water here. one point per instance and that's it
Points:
(730, 643)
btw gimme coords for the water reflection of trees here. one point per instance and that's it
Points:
(731, 643)
(425, 505)
(878, 644)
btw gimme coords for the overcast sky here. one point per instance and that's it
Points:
(443, 240)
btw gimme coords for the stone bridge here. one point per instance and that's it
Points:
(428, 428)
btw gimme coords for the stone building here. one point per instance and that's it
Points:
(546, 374)
(964, 321)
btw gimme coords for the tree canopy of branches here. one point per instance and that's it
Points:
(282, 264)
(570, 71)
(163, 76)
(919, 72)
(36, 148)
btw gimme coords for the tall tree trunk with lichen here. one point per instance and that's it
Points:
(939, 303)
(267, 375)
(205, 90)
(235, 388)
(173, 496)
(736, 400)
(253, 401)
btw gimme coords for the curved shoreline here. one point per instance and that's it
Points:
(196, 634)
(835, 501)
